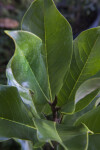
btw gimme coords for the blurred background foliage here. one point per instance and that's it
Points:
(11, 12)
(82, 14)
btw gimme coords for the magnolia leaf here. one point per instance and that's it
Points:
(86, 92)
(25, 94)
(71, 119)
(69, 137)
(44, 20)
(11, 129)
(91, 119)
(28, 66)
(85, 64)
(94, 142)
(12, 107)
(15, 119)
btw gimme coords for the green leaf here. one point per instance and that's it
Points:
(15, 119)
(25, 94)
(85, 64)
(70, 138)
(86, 93)
(94, 142)
(12, 107)
(28, 67)
(44, 20)
(70, 119)
(91, 119)
(11, 129)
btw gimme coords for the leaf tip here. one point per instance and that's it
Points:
(6, 31)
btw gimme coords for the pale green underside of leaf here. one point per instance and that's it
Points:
(28, 145)
(71, 138)
(86, 93)
(86, 88)
(44, 20)
(98, 101)
(85, 64)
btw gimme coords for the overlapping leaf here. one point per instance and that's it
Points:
(28, 67)
(40, 70)
(11, 129)
(91, 119)
(44, 20)
(70, 138)
(25, 94)
(70, 119)
(48, 62)
(85, 63)
(86, 93)
(12, 106)
(15, 119)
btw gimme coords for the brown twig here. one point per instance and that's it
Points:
(55, 110)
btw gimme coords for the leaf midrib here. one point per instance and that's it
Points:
(61, 141)
(46, 54)
(26, 125)
(32, 73)
(82, 69)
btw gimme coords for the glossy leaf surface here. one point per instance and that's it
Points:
(86, 93)
(25, 94)
(48, 130)
(85, 63)
(44, 20)
(28, 66)
(11, 129)
(91, 119)
(71, 119)
(12, 107)
(15, 119)
(40, 69)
